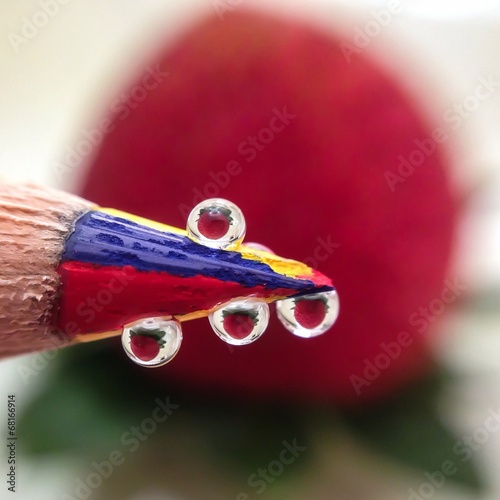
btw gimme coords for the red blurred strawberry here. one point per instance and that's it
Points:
(269, 114)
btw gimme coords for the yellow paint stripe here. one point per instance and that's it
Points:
(91, 337)
(286, 267)
(145, 222)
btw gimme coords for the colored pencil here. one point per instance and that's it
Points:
(74, 272)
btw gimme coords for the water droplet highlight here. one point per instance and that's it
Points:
(310, 315)
(152, 342)
(216, 223)
(240, 322)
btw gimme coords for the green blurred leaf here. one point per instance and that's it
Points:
(93, 396)
(249, 436)
(409, 430)
(69, 413)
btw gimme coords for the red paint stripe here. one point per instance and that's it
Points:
(102, 298)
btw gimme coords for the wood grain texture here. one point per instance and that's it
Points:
(34, 224)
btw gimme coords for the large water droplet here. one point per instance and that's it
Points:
(309, 315)
(152, 342)
(216, 223)
(240, 322)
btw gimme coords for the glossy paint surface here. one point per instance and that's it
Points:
(117, 269)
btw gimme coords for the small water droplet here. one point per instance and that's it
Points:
(240, 322)
(152, 342)
(310, 315)
(216, 223)
(258, 246)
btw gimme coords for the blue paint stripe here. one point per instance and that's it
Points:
(107, 240)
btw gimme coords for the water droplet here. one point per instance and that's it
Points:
(258, 246)
(216, 223)
(309, 315)
(152, 342)
(240, 322)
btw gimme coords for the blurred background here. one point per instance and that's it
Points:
(378, 78)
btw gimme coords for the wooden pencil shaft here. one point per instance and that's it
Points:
(34, 223)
